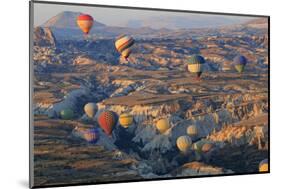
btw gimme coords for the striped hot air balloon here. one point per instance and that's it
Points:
(107, 120)
(123, 44)
(195, 65)
(184, 143)
(239, 63)
(126, 120)
(91, 135)
(85, 23)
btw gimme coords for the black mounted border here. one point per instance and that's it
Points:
(31, 142)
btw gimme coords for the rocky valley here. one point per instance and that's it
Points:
(230, 110)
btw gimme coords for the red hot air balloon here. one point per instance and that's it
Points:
(107, 120)
(85, 23)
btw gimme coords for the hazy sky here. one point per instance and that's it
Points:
(121, 17)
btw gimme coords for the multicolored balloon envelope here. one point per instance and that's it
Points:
(126, 120)
(91, 135)
(195, 65)
(239, 63)
(123, 44)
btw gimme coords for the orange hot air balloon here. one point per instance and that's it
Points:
(107, 120)
(85, 22)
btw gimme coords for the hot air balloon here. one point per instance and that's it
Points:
(163, 125)
(123, 44)
(107, 121)
(239, 63)
(195, 65)
(206, 147)
(263, 166)
(126, 120)
(197, 146)
(67, 114)
(184, 143)
(91, 135)
(126, 53)
(192, 130)
(85, 23)
(90, 109)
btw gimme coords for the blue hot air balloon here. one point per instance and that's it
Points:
(239, 63)
(91, 135)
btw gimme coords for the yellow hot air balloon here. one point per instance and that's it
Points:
(126, 120)
(163, 125)
(192, 130)
(184, 143)
(90, 109)
(263, 166)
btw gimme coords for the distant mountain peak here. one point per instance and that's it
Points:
(258, 23)
(67, 19)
